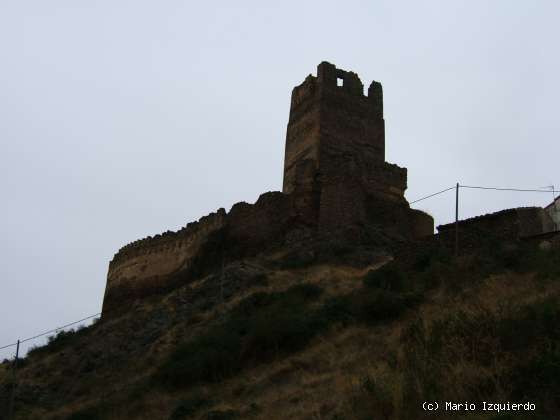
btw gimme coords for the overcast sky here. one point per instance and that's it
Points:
(122, 119)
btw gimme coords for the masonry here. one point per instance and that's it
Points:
(335, 156)
(337, 186)
(502, 227)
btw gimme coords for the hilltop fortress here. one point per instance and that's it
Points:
(337, 187)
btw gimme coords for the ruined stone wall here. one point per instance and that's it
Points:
(337, 186)
(165, 261)
(147, 262)
(508, 225)
(255, 227)
(302, 137)
(335, 149)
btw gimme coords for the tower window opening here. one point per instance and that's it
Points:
(339, 81)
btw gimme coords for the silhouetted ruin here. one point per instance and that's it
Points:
(337, 188)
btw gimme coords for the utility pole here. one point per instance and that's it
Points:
(457, 219)
(555, 212)
(221, 309)
(12, 396)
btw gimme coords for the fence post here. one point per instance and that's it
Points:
(457, 219)
(13, 391)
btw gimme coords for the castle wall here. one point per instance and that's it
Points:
(147, 262)
(255, 227)
(335, 149)
(302, 137)
(506, 225)
(165, 261)
(422, 224)
(336, 185)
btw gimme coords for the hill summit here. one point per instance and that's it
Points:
(332, 299)
(337, 188)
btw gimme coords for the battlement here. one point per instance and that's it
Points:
(340, 81)
(337, 185)
(170, 239)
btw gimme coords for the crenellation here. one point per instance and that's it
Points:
(375, 97)
(336, 185)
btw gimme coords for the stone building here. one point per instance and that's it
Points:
(337, 188)
(553, 210)
(335, 156)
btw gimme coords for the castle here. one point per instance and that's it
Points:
(337, 186)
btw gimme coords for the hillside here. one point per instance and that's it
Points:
(353, 333)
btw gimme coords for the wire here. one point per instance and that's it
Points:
(432, 195)
(9, 345)
(59, 328)
(50, 331)
(412, 202)
(506, 189)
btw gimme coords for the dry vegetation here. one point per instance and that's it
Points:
(318, 341)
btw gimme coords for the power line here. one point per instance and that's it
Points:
(51, 331)
(9, 345)
(432, 195)
(506, 189)
(59, 328)
(412, 202)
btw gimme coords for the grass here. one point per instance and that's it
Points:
(58, 341)
(260, 328)
(514, 352)
(437, 335)
(187, 407)
(267, 326)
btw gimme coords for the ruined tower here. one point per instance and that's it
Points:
(337, 189)
(335, 152)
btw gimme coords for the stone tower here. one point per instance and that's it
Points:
(335, 152)
(338, 190)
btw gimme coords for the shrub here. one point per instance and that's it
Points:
(378, 305)
(428, 257)
(94, 412)
(367, 305)
(58, 341)
(261, 327)
(222, 415)
(187, 407)
(338, 309)
(530, 325)
(388, 277)
(297, 259)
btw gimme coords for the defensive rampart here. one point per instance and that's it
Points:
(508, 225)
(337, 187)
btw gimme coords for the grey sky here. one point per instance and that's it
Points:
(122, 119)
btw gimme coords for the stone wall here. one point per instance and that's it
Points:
(335, 153)
(508, 225)
(156, 264)
(337, 188)
(146, 264)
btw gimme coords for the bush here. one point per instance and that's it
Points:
(222, 415)
(338, 309)
(261, 327)
(429, 257)
(297, 259)
(58, 341)
(533, 324)
(388, 277)
(187, 407)
(379, 305)
(369, 306)
(94, 412)
(268, 325)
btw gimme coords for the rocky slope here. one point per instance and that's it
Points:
(356, 333)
